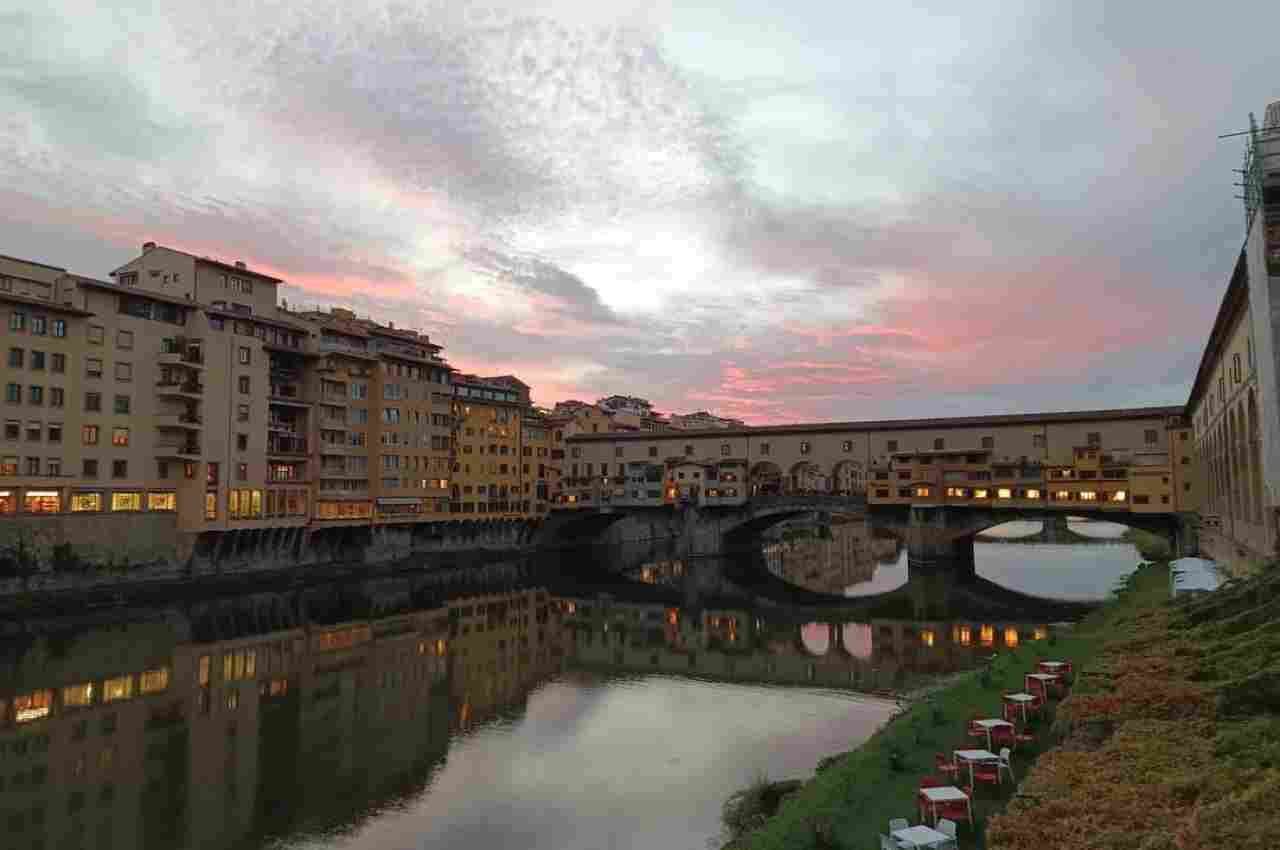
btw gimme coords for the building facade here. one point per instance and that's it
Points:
(488, 426)
(1234, 406)
(1138, 459)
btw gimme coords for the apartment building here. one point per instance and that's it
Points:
(488, 416)
(540, 472)
(179, 385)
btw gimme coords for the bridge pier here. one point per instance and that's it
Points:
(938, 540)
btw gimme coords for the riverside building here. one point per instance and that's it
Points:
(179, 386)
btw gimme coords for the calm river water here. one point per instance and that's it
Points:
(520, 709)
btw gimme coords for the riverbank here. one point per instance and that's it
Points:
(1173, 741)
(851, 799)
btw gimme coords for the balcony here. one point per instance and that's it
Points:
(287, 394)
(343, 347)
(284, 446)
(189, 450)
(181, 352)
(284, 426)
(335, 449)
(334, 399)
(343, 475)
(179, 421)
(180, 389)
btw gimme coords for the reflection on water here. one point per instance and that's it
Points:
(554, 707)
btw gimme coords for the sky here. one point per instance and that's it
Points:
(776, 211)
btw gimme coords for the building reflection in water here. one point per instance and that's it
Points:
(251, 721)
(828, 558)
(132, 737)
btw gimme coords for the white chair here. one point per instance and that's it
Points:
(887, 843)
(897, 823)
(947, 828)
(1005, 753)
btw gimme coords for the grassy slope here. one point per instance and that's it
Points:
(851, 802)
(1179, 747)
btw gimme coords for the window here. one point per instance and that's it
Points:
(124, 371)
(126, 501)
(118, 688)
(42, 502)
(988, 442)
(55, 433)
(93, 402)
(210, 506)
(242, 413)
(37, 360)
(804, 447)
(688, 451)
(17, 321)
(1150, 437)
(78, 696)
(1093, 438)
(243, 384)
(939, 444)
(120, 436)
(12, 430)
(653, 451)
(58, 363)
(60, 327)
(35, 394)
(1088, 495)
(162, 501)
(96, 334)
(89, 469)
(13, 393)
(39, 325)
(1004, 493)
(764, 448)
(93, 367)
(121, 407)
(618, 451)
(34, 431)
(891, 445)
(1033, 494)
(846, 446)
(242, 472)
(1037, 441)
(120, 469)
(124, 339)
(17, 356)
(89, 435)
(724, 449)
(243, 355)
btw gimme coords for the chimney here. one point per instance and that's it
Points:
(240, 264)
(391, 325)
(147, 246)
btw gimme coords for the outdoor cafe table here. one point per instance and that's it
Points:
(1022, 700)
(1042, 678)
(973, 757)
(920, 836)
(991, 723)
(1052, 666)
(946, 794)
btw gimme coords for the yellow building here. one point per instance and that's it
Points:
(488, 415)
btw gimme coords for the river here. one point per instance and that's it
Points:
(538, 708)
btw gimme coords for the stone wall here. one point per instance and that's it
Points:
(95, 540)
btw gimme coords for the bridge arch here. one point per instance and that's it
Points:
(766, 479)
(815, 638)
(847, 477)
(807, 477)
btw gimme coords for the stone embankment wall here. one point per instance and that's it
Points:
(68, 553)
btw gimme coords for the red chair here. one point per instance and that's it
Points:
(945, 766)
(987, 772)
(958, 812)
(1024, 738)
(1002, 736)
(975, 731)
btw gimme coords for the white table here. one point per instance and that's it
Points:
(973, 757)
(1043, 678)
(1022, 700)
(946, 794)
(1052, 666)
(989, 724)
(921, 836)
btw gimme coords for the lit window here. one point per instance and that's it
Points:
(987, 635)
(1119, 496)
(42, 501)
(162, 501)
(922, 492)
(118, 688)
(78, 695)
(32, 706)
(153, 681)
(1088, 496)
(1010, 637)
(81, 502)
(981, 494)
(965, 636)
(1062, 495)
(119, 436)
(1033, 494)
(927, 637)
(126, 501)
(1004, 493)
(202, 674)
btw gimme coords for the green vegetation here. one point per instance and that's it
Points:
(852, 799)
(1175, 741)
(1150, 546)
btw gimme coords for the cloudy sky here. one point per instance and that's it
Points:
(777, 211)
